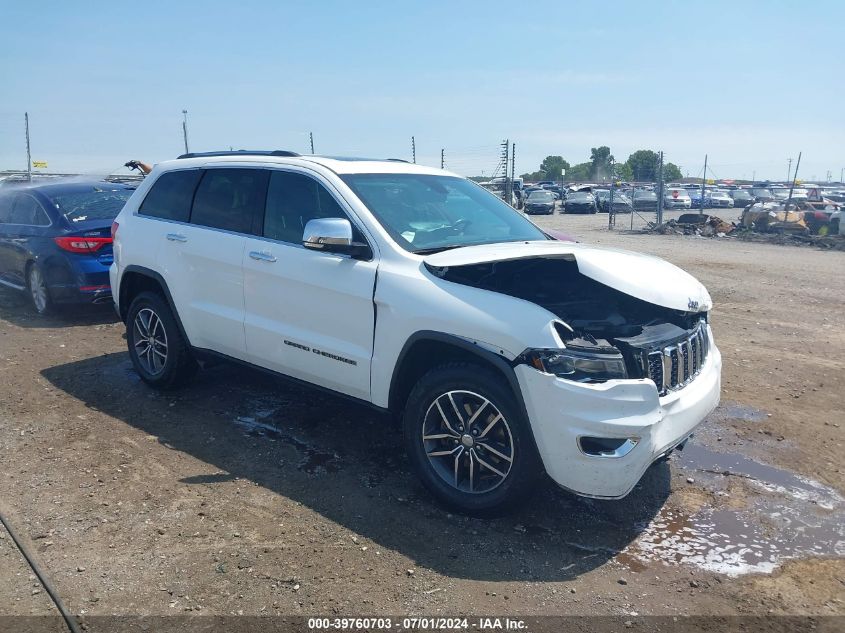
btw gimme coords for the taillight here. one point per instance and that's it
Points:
(77, 244)
(114, 227)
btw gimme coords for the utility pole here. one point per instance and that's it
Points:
(794, 176)
(703, 182)
(788, 169)
(513, 164)
(660, 190)
(311, 138)
(185, 129)
(753, 176)
(506, 165)
(28, 152)
(442, 158)
(611, 218)
(842, 175)
(413, 150)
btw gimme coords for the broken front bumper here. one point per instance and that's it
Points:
(561, 411)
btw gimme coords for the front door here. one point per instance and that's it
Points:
(309, 314)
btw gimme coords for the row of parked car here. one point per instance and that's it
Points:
(540, 198)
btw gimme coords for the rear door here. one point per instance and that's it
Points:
(210, 251)
(28, 224)
(200, 248)
(309, 314)
(6, 203)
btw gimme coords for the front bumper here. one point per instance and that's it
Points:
(560, 411)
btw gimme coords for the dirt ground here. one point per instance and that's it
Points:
(244, 495)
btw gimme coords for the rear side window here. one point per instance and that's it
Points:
(230, 199)
(28, 212)
(170, 196)
(5, 209)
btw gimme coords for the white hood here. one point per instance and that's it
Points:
(642, 276)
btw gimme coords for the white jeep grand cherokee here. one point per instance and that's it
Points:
(504, 352)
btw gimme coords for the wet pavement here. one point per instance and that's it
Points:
(762, 517)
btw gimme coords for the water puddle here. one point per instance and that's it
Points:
(794, 517)
(314, 460)
(736, 411)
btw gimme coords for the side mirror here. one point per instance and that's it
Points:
(334, 235)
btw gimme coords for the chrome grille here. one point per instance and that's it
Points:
(676, 365)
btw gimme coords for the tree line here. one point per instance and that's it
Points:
(642, 165)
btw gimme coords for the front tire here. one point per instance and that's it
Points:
(159, 352)
(468, 440)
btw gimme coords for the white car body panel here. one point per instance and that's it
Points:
(561, 411)
(310, 315)
(648, 278)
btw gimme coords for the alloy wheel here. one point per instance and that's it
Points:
(468, 441)
(150, 341)
(38, 289)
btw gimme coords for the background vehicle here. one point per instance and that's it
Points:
(676, 198)
(644, 200)
(540, 202)
(719, 199)
(762, 194)
(579, 202)
(742, 198)
(621, 202)
(55, 240)
(499, 189)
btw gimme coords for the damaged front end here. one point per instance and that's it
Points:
(605, 333)
(627, 370)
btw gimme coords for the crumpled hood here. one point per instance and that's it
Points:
(642, 276)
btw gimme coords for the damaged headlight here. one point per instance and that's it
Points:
(578, 365)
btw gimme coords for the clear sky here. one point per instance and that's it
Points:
(749, 83)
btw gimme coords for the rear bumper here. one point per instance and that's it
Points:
(562, 411)
(95, 294)
(81, 280)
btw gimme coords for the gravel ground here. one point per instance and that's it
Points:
(244, 495)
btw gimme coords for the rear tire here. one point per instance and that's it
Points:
(159, 352)
(468, 440)
(39, 293)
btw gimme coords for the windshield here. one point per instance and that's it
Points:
(645, 194)
(427, 213)
(579, 196)
(540, 196)
(97, 204)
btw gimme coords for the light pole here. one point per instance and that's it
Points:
(185, 129)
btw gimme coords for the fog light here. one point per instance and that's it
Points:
(607, 446)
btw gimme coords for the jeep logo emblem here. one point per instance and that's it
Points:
(692, 305)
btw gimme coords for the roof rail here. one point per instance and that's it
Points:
(240, 152)
(397, 160)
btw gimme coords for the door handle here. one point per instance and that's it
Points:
(176, 237)
(264, 256)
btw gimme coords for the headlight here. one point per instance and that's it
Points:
(578, 365)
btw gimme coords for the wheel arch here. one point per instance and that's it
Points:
(137, 279)
(427, 349)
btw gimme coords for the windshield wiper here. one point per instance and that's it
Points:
(431, 251)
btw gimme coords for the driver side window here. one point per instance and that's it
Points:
(292, 200)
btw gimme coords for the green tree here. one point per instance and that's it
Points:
(671, 172)
(580, 172)
(622, 171)
(643, 164)
(551, 167)
(600, 162)
(533, 176)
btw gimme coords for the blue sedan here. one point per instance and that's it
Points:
(56, 241)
